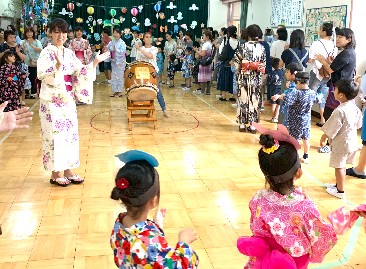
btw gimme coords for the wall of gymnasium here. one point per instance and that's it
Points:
(259, 12)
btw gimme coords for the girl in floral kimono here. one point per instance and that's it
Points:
(63, 78)
(117, 48)
(81, 46)
(11, 81)
(138, 242)
(288, 230)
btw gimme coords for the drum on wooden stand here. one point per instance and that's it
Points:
(141, 84)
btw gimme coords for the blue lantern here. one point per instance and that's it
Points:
(157, 6)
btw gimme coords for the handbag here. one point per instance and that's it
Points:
(225, 50)
(208, 59)
(322, 70)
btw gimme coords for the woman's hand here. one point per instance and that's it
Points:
(16, 119)
(101, 57)
(58, 59)
(17, 49)
(320, 58)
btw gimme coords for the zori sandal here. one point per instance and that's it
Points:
(75, 179)
(60, 181)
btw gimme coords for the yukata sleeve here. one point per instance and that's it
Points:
(88, 53)
(83, 78)
(321, 234)
(180, 257)
(46, 68)
(333, 124)
(238, 57)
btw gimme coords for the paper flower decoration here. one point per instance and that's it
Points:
(179, 16)
(171, 6)
(193, 7)
(112, 12)
(124, 10)
(184, 26)
(90, 10)
(157, 6)
(70, 6)
(172, 20)
(140, 7)
(147, 22)
(79, 20)
(134, 11)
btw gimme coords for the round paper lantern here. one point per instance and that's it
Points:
(124, 10)
(112, 12)
(134, 11)
(90, 10)
(157, 7)
(70, 6)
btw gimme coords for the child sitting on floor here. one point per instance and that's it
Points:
(341, 131)
(138, 242)
(288, 230)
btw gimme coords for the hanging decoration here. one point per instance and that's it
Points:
(179, 16)
(70, 6)
(171, 6)
(193, 24)
(176, 28)
(184, 26)
(124, 10)
(163, 29)
(96, 37)
(202, 25)
(134, 20)
(90, 10)
(121, 19)
(172, 20)
(193, 7)
(134, 11)
(157, 7)
(99, 21)
(79, 20)
(140, 7)
(147, 22)
(78, 4)
(161, 16)
(112, 12)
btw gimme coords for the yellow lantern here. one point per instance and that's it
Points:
(90, 10)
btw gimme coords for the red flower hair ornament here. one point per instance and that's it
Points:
(122, 183)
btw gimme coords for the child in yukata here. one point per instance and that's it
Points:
(288, 230)
(291, 70)
(138, 242)
(274, 82)
(187, 64)
(160, 61)
(341, 130)
(299, 104)
(171, 70)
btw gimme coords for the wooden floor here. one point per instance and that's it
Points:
(209, 172)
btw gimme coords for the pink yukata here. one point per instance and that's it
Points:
(82, 50)
(289, 228)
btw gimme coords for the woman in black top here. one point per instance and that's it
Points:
(296, 53)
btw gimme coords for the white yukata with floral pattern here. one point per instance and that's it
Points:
(293, 221)
(58, 115)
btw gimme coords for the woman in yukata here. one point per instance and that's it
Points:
(117, 48)
(81, 46)
(64, 78)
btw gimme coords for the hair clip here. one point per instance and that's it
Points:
(295, 72)
(271, 149)
(122, 183)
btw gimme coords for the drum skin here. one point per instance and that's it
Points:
(140, 73)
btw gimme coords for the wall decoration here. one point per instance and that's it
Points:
(90, 10)
(157, 6)
(287, 12)
(171, 6)
(134, 11)
(336, 14)
(172, 20)
(124, 10)
(179, 16)
(194, 7)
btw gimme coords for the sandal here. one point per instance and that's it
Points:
(75, 179)
(60, 181)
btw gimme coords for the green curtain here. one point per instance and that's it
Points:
(244, 14)
(102, 10)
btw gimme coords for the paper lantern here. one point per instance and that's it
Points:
(70, 6)
(112, 12)
(90, 10)
(157, 6)
(134, 11)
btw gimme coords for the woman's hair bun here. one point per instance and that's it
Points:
(266, 140)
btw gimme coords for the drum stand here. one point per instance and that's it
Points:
(147, 106)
